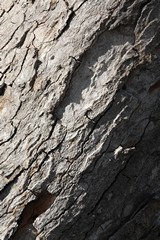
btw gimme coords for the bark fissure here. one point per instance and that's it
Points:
(33, 209)
(67, 24)
(11, 37)
(11, 137)
(109, 187)
(22, 40)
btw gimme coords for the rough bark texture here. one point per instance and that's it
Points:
(80, 119)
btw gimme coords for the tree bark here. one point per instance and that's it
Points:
(80, 119)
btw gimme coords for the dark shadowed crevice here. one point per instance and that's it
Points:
(20, 43)
(36, 67)
(32, 210)
(67, 24)
(154, 87)
(3, 87)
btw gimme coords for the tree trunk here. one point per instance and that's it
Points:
(80, 119)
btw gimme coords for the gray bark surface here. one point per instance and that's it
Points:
(79, 119)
